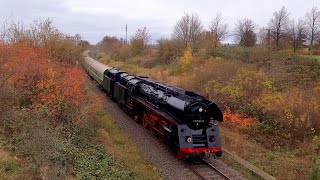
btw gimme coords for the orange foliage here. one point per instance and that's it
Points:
(237, 120)
(41, 81)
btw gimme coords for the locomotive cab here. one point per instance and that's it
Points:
(111, 77)
(120, 91)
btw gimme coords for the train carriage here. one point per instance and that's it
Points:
(96, 70)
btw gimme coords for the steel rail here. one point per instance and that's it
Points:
(216, 169)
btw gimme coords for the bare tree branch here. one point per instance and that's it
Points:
(278, 25)
(3, 25)
(296, 32)
(188, 30)
(313, 23)
(245, 32)
(219, 29)
(140, 41)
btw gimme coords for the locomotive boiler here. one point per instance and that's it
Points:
(186, 106)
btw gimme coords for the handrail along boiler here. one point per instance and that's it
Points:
(182, 119)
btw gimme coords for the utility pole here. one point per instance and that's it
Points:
(126, 33)
(269, 37)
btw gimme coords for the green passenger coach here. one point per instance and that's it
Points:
(97, 70)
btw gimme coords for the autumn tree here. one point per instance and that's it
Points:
(296, 33)
(313, 24)
(114, 47)
(140, 41)
(37, 34)
(168, 50)
(188, 30)
(245, 32)
(219, 29)
(278, 25)
(206, 41)
(84, 44)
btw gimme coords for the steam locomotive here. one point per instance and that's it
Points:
(181, 119)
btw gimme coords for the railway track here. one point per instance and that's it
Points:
(206, 171)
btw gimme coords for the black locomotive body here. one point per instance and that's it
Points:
(182, 119)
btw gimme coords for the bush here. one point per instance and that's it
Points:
(61, 47)
(315, 171)
(115, 48)
(60, 150)
(288, 69)
(10, 167)
(168, 51)
(296, 110)
(137, 46)
(42, 82)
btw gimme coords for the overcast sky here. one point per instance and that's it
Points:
(95, 19)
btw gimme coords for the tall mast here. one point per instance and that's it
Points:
(126, 33)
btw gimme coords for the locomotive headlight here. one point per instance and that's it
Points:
(188, 139)
(200, 109)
